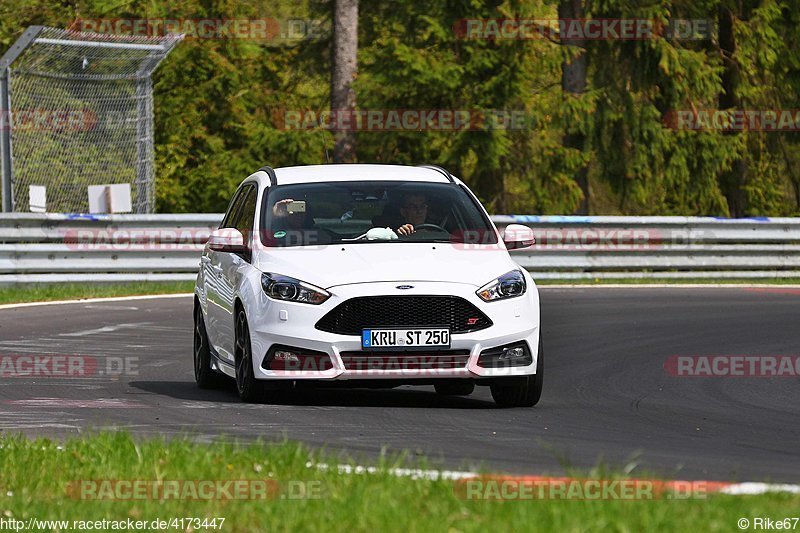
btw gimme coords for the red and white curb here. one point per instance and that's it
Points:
(721, 487)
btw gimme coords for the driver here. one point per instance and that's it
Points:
(414, 211)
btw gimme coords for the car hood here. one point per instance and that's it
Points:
(332, 265)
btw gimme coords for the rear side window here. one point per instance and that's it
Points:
(246, 216)
(241, 212)
(233, 208)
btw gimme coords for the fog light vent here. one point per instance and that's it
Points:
(516, 354)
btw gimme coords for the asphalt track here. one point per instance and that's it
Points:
(607, 399)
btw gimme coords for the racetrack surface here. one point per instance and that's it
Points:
(607, 397)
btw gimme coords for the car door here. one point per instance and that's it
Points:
(212, 283)
(231, 267)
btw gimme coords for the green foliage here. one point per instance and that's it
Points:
(220, 104)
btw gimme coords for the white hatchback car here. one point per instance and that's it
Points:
(365, 275)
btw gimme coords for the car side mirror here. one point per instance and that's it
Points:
(227, 240)
(517, 236)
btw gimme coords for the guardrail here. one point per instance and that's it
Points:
(100, 248)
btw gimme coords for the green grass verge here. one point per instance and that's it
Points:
(69, 291)
(36, 475)
(670, 281)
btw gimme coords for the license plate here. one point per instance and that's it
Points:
(405, 338)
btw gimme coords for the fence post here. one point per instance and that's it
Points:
(6, 167)
(5, 143)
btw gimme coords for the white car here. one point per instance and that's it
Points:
(365, 275)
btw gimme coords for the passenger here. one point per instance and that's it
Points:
(293, 229)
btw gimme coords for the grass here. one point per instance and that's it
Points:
(36, 475)
(70, 291)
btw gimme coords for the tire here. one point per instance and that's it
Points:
(461, 387)
(521, 392)
(205, 376)
(249, 388)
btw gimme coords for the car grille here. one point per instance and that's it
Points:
(444, 359)
(351, 316)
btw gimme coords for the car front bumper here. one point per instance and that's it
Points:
(293, 324)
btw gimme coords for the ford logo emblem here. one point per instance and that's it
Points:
(404, 287)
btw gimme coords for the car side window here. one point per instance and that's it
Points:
(246, 217)
(233, 209)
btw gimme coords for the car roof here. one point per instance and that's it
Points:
(357, 172)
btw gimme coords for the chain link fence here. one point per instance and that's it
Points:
(80, 113)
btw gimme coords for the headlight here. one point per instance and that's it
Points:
(508, 285)
(292, 290)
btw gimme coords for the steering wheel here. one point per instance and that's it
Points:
(431, 226)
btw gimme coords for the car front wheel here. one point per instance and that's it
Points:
(249, 388)
(204, 375)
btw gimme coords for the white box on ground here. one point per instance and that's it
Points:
(37, 198)
(110, 198)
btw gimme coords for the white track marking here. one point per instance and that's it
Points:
(67, 403)
(759, 488)
(413, 473)
(104, 329)
(97, 300)
(112, 307)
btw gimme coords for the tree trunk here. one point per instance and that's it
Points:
(733, 181)
(343, 97)
(573, 82)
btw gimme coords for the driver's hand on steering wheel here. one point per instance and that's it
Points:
(406, 229)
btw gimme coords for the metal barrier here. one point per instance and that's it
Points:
(42, 248)
(50, 248)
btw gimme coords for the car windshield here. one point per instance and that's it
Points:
(372, 211)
